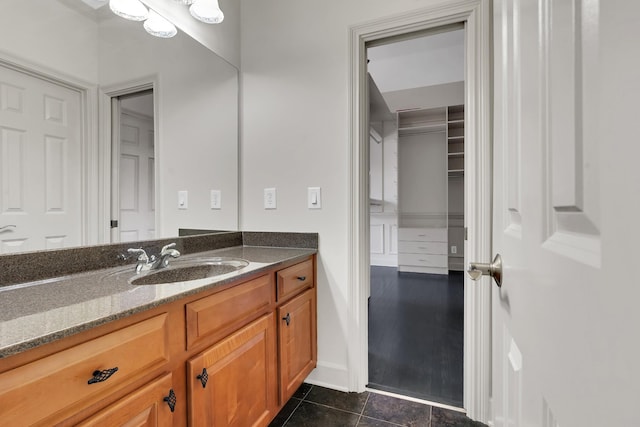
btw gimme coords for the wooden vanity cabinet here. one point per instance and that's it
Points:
(229, 356)
(49, 390)
(296, 342)
(234, 382)
(150, 406)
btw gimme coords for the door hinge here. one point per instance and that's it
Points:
(114, 223)
(466, 230)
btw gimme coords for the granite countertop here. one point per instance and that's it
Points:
(39, 312)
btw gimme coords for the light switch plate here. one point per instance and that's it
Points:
(216, 199)
(270, 198)
(183, 199)
(314, 198)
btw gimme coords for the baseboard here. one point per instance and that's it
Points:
(329, 375)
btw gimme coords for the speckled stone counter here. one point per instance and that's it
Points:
(38, 312)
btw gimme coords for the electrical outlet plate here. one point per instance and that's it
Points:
(183, 199)
(216, 199)
(270, 198)
(314, 198)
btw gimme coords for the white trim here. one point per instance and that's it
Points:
(477, 337)
(89, 232)
(106, 131)
(413, 399)
(333, 376)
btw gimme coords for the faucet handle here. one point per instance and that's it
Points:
(142, 254)
(167, 247)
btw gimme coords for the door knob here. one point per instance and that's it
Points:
(478, 269)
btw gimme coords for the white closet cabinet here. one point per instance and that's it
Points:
(423, 250)
(431, 189)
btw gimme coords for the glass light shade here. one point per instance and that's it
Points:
(157, 26)
(133, 10)
(207, 11)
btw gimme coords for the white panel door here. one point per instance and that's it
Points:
(41, 160)
(136, 178)
(566, 346)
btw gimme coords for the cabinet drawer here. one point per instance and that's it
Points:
(423, 234)
(217, 315)
(144, 407)
(294, 279)
(434, 248)
(423, 260)
(50, 389)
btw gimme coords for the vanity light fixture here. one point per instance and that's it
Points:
(207, 11)
(133, 10)
(158, 26)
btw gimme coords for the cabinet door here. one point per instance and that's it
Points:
(297, 343)
(234, 382)
(145, 407)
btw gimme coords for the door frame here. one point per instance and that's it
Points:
(110, 133)
(475, 14)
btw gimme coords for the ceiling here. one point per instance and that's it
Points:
(419, 62)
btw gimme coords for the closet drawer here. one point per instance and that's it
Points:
(423, 234)
(434, 248)
(217, 315)
(423, 260)
(44, 391)
(294, 279)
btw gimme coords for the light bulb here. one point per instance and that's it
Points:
(207, 11)
(133, 10)
(158, 26)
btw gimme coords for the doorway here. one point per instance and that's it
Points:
(475, 16)
(416, 216)
(133, 167)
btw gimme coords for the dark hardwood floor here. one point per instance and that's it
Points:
(416, 324)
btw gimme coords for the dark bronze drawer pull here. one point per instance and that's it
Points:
(203, 377)
(302, 278)
(287, 319)
(99, 376)
(171, 400)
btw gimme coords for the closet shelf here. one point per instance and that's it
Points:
(423, 128)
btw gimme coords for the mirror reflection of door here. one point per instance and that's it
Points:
(41, 148)
(135, 181)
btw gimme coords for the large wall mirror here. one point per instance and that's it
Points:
(70, 72)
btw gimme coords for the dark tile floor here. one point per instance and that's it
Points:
(314, 406)
(416, 334)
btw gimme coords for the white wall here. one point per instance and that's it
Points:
(295, 127)
(50, 35)
(197, 120)
(422, 180)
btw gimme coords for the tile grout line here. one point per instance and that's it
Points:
(430, 415)
(297, 406)
(291, 414)
(363, 408)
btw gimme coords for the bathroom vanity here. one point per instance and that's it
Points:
(92, 349)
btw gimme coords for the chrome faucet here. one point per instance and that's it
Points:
(152, 262)
(166, 253)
